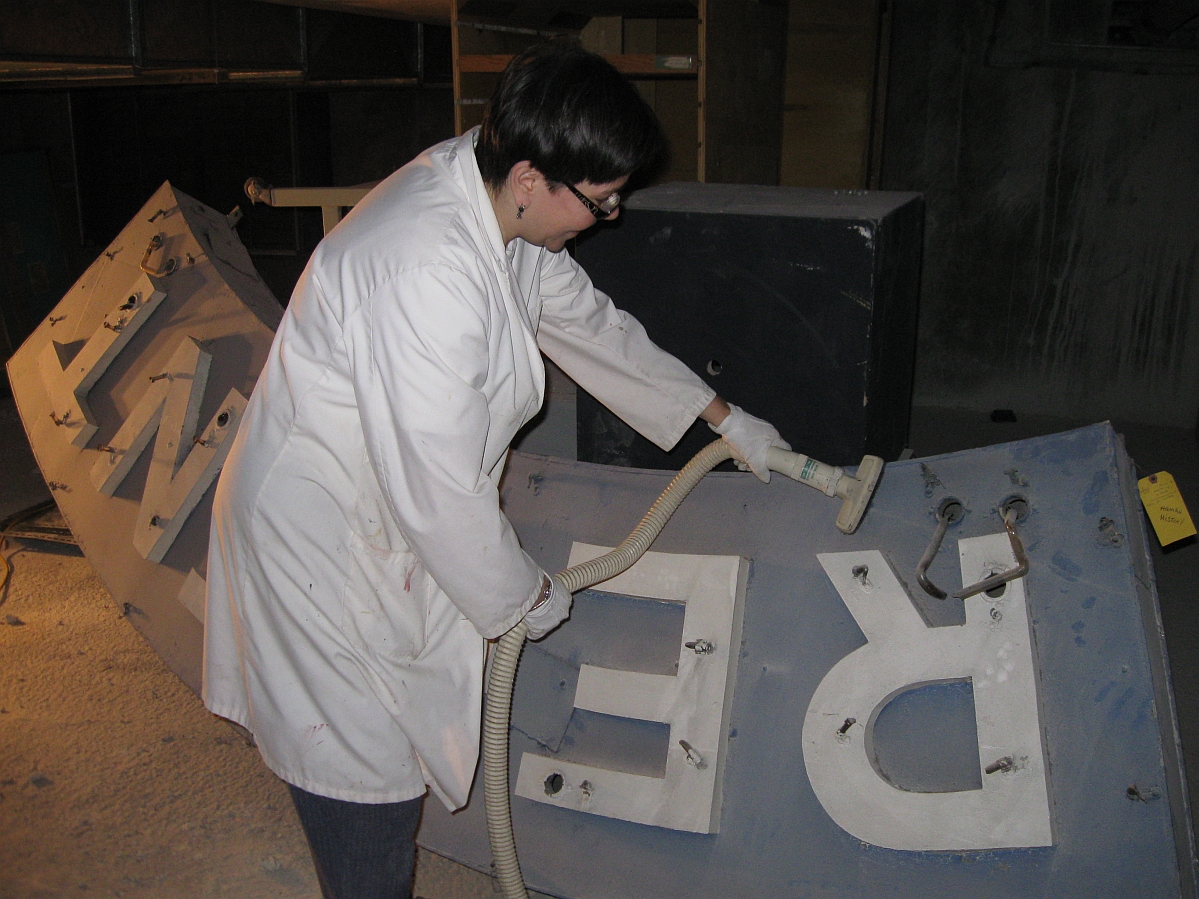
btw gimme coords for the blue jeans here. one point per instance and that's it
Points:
(361, 850)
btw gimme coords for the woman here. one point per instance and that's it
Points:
(359, 559)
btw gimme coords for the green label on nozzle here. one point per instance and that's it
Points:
(809, 470)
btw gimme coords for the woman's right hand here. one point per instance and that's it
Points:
(550, 611)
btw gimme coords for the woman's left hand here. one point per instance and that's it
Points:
(749, 438)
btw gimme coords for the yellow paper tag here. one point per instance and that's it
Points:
(1163, 503)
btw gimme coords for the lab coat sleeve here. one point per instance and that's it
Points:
(607, 352)
(418, 352)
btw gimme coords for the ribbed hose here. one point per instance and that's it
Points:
(507, 655)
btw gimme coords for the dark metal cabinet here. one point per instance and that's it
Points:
(797, 304)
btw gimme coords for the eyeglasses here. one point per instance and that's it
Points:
(600, 210)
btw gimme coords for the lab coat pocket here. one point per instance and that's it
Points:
(384, 609)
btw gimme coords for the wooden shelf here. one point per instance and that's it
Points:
(714, 76)
(631, 64)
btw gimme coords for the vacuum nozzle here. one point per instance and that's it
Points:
(855, 491)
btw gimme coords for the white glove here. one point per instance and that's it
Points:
(544, 617)
(749, 438)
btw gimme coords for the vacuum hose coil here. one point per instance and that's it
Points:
(507, 655)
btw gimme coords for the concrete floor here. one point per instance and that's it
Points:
(114, 780)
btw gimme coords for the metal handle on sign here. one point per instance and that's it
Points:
(1010, 511)
(171, 263)
(259, 191)
(949, 512)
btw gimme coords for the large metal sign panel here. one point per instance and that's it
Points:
(880, 742)
(770, 707)
(131, 392)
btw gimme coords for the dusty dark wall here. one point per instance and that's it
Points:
(745, 58)
(372, 132)
(832, 49)
(1061, 262)
(335, 99)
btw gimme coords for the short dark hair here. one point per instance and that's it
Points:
(572, 115)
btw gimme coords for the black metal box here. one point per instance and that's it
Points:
(795, 303)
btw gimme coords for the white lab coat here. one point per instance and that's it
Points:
(358, 554)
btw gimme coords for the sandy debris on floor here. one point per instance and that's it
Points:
(114, 779)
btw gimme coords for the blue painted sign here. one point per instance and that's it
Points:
(1116, 812)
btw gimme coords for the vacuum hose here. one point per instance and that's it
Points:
(507, 655)
(855, 493)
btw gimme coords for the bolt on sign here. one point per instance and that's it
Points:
(131, 392)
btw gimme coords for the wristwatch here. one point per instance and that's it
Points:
(546, 592)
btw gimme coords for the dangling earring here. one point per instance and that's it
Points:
(520, 210)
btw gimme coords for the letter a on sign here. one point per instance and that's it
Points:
(994, 651)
